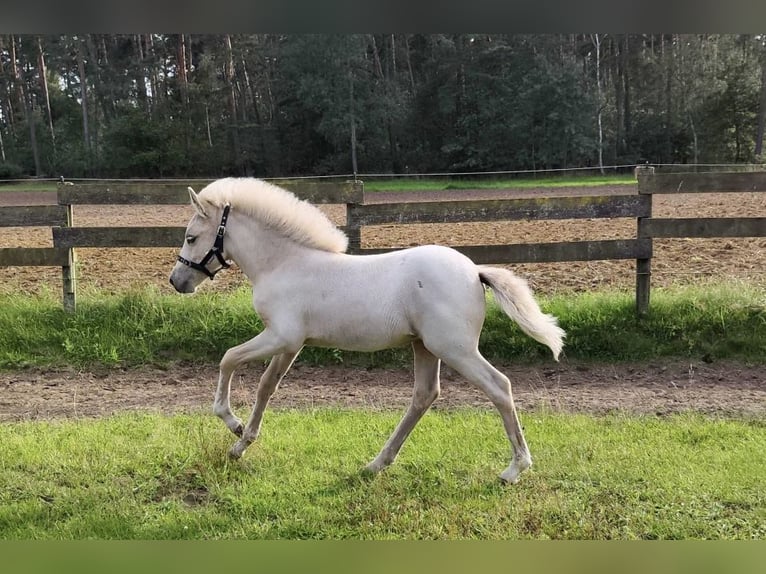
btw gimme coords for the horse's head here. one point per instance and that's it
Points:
(202, 254)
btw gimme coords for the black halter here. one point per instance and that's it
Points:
(215, 251)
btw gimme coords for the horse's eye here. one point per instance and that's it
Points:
(190, 239)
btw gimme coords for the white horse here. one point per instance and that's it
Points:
(307, 291)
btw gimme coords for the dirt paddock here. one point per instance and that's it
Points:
(661, 387)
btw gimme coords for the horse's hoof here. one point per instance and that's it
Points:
(373, 468)
(506, 480)
(367, 472)
(236, 451)
(365, 476)
(511, 474)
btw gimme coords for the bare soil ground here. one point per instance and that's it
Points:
(661, 388)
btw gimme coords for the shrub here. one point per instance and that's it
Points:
(10, 171)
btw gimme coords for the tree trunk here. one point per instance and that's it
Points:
(154, 80)
(101, 95)
(626, 114)
(376, 57)
(233, 104)
(139, 74)
(6, 107)
(393, 56)
(83, 99)
(44, 86)
(409, 64)
(695, 144)
(182, 67)
(353, 121)
(669, 70)
(761, 110)
(207, 125)
(619, 95)
(596, 39)
(25, 104)
(32, 134)
(386, 79)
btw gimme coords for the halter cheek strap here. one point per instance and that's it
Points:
(215, 251)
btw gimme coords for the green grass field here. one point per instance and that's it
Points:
(142, 476)
(427, 183)
(28, 186)
(444, 183)
(725, 321)
(149, 476)
(138, 476)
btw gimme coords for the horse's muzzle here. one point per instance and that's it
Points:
(182, 286)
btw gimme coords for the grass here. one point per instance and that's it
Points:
(28, 186)
(148, 476)
(725, 321)
(430, 183)
(439, 184)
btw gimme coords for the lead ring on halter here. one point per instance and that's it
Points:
(215, 251)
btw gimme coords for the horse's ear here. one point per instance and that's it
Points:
(197, 203)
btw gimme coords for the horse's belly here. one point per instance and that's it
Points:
(352, 342)
(354, 332)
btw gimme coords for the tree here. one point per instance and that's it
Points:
(283, 104)
(761, 124)
(79, 51)
(596, 39)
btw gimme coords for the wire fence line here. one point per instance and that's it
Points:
(408, 175)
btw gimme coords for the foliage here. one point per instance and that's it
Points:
(144, 327)
(10, 171)
(149, 476)
(273, 105)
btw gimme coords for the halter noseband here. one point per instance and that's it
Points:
(215, 251)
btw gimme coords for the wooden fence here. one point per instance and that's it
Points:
(67, 237)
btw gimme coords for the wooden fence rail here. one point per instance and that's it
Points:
(67, 237)
(54, 216)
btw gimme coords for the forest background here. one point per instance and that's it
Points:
(280, 105)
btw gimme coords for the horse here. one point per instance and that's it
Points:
(308, 291)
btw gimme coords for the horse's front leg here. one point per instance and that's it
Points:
(270, 379)
(222, 404)
(261, 347)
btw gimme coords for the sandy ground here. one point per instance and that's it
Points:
(662, 388)
(656, 388)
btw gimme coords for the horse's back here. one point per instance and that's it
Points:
(433, 259)
(368, 302)
(436, 288)
(416, 272)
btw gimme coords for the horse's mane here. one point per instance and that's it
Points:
(279, 209)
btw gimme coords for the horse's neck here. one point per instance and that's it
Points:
(257, 249)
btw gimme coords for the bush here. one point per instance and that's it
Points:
(10, 171)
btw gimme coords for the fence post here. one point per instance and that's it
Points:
(68, 271)
(353, 231)
(643, 266)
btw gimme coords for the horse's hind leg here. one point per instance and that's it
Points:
(425, 393)
(477, 370)
(270, 379)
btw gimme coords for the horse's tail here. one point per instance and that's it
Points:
(515, 298)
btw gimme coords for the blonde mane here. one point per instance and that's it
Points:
(278, 209)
